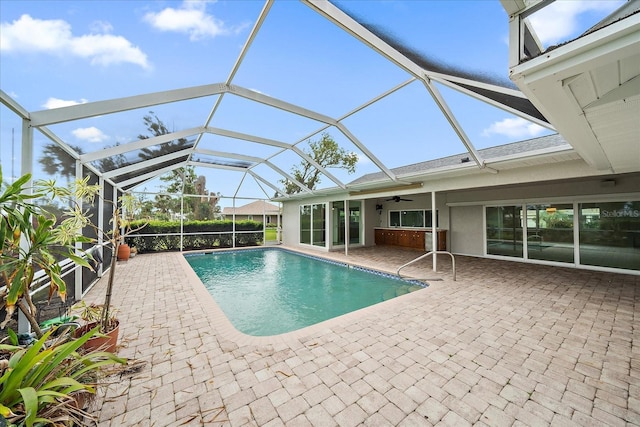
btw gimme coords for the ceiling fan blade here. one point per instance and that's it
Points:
(397, 199)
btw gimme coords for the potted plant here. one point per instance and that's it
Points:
(122, 217)
(30, 241)
(41, 382)
(31, 238)
(90, 315)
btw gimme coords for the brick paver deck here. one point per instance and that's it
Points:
(506, 344)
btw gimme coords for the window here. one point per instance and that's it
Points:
(411, 218)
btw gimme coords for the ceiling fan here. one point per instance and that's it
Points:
(398, 199)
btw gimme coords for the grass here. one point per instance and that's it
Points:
(270, 234)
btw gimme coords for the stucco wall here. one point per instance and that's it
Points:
(567, 189)
(461, 212)
(466, 231)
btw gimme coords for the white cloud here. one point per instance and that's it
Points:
(363, 161)
(514, 128)
(91, 134)
(558, 22)
(54, 36)
(57, 103)
(101, 27)
(190, 18)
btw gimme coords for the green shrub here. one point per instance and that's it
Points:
(164, 235)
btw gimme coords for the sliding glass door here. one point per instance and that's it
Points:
(313, 224)
(338, 222)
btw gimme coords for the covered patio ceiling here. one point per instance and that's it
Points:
(255, 162)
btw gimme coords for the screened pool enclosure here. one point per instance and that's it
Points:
(192, 121)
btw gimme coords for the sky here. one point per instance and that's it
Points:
(60, 53)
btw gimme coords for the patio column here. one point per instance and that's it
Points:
(26, 166)
(101, 224)
(346, 227)
(434, 232)
(182, 217)
(233, 223)
(78, 271)
(278, 222)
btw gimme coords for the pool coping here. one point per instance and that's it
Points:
(225, 329)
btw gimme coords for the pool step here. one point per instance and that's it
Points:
(402, 290)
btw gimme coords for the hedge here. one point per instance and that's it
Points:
(154, 236)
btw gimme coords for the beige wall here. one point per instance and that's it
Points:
(461, 212)
(466, 232)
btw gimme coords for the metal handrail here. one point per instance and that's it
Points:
(453, 261)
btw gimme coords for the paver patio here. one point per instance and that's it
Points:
(506, 344)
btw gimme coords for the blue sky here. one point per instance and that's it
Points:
(56, 53)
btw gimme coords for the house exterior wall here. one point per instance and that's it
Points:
(466, 232)
(462, 211)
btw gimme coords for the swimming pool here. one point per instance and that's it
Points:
(272, 291)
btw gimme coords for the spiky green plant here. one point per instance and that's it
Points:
(38, 384)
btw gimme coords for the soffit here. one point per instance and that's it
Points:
(589, 89)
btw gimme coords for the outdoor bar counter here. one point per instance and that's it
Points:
(415, 238)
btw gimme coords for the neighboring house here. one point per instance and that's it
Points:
(570, 199)
(255, 211)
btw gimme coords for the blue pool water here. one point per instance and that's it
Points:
(272, 291)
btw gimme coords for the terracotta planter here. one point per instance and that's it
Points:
(108, 342)
(124, 252)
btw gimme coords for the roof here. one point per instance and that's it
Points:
(259, 207)
(519, 149)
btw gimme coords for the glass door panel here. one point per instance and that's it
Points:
(337, 214)
(305, 224)
(504, 230)
(354, 222)
(610, 234)
(319, 224)
(550, 232)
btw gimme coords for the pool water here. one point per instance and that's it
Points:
(272, 291)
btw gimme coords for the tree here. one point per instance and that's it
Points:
(112, 163)
(328, 154)
(55, 160)
(156, 127)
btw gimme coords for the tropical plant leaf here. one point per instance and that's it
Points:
(30, 401)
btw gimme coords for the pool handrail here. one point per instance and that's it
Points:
(453, 261)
